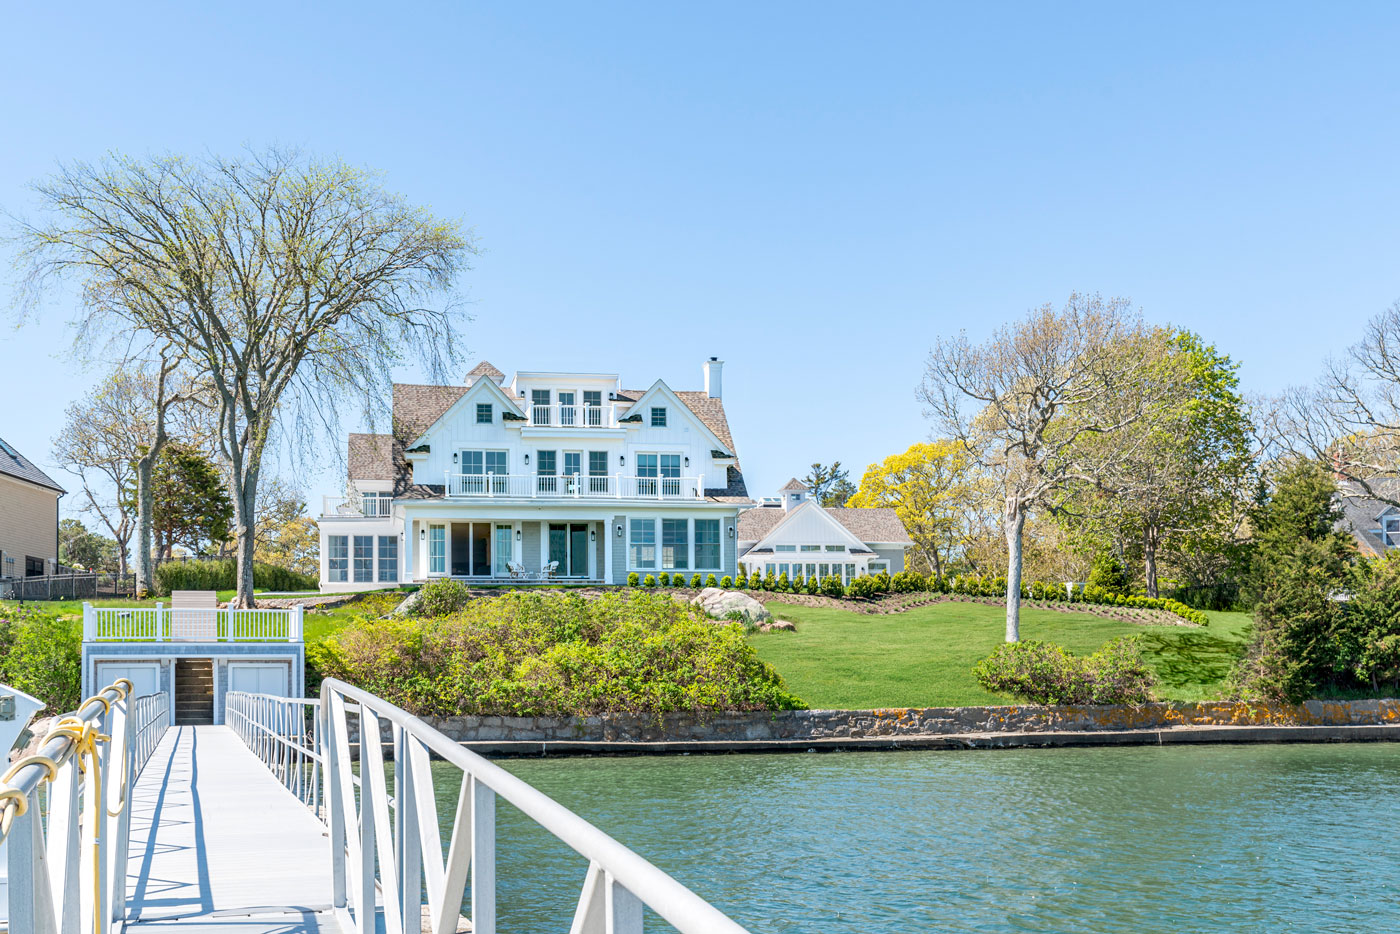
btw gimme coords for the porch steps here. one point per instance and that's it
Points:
(194, 691)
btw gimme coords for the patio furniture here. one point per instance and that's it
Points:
(549, 570)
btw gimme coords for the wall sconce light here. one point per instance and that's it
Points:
(527, 460)
(517, 535)
(454, 457)
(592, 535)
(422, 535)
(731, 531)
(687, 462)
(621, 460)
(619, 530)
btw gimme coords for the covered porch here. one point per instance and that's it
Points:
(505, 549)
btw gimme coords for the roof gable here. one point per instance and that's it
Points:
(801, 519)
(659, 391)
(466, 396)
(16, 465)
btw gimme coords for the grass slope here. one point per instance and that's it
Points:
(924, 657)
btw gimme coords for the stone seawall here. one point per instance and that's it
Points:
(790, 725)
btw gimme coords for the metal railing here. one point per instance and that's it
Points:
(163, 624)
(572, 486)
(402, 860)
(67, 849)
(284, 733)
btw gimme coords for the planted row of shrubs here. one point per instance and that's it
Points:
(875, 585)
(1045, 673)
(222, 574)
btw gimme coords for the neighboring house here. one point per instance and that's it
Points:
(797, 535)
(542, 475)
(1373, 523)
(28, 517)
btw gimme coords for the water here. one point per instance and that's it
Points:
(1176, 839)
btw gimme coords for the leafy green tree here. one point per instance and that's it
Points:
(1302, 564)
(1108, 574)
(43, 656)
(830, 486)
(190, 504)
(79, 547)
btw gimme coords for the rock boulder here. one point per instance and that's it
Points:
(720, 603)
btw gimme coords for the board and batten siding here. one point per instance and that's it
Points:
(28, 522)
(894, 555)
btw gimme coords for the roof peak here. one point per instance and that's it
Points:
(793, 484)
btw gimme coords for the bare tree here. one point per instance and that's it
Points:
(291, 285)
(1023, 403)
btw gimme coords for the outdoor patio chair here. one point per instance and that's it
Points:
(517, 571)
(550, 569)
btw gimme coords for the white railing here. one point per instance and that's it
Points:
(283, 732)
(355, 506)
(573, 416)
(68, 873)
(152, 715)
(162, 624)
(572, 486)
(403, 860)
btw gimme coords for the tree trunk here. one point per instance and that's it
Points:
(1015, 523)
(937, 565)
(1149, 557)
(144, 543)
(244, 499)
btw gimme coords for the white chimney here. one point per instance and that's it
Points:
(714, 378)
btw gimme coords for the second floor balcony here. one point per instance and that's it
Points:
(572, 416)
(574, 486)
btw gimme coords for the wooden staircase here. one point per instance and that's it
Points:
(194, 691)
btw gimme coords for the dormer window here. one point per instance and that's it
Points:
(658, 416)
(1392, 531)
(485, 413)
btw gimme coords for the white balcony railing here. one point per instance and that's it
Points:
(573, 416)
(574, 486)
(166, 624)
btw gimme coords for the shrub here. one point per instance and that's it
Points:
(663, 579)
(1045, 673)
(634, 579)
(862, 588)
(813, 585)
(441, 597)
(726, 582)
(784, 585)
(710, 581)
(695, 581)
(1108, 574)
(41, 654)
(222, 574)
(649, 581)
(832, 587)
(908, 582)
(769, 581)
(742, 581)
(542, 654)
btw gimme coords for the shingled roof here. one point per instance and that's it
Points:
(14, 464)
(866, 524)
(1361, 513)
(371, 457)
(793, 484)
(484, 369)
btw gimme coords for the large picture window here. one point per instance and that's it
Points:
(642, 543)
(363, 565)
(476, 465)
(707, 544)
(388, 558)
(675, 544)
(338, 558)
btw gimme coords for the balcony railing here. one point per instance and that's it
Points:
(167, 624)
(369, 506)
(574, 486)
(573, 416)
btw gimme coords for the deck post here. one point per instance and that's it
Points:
(294, 627)
(89, 623)
(160, 628)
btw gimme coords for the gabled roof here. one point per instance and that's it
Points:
(16, 465)
(1361, 513)
(793, 484)
(370, 457)
(879, 525)
(484, 368)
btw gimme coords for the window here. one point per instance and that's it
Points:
(567, 413)
(642, 543)
(811, 547)
(1392, 531)
(437, 549)
(783, 569)
(573, 463)
(823, 572)
(658, 417)
(841, 548)
(476, 464)
(545, 463)
(388, 558)
(598, 472)
(364, 559)
(707, 543)
(338, 558)
(670, 475)
(375, 504)
(485, 413)
(593, 398)
(784, 547)
(539, 399)
(675, 544)
(879, 567)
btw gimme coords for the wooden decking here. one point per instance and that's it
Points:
(217, 845)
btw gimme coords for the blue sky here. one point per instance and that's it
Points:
(813, 192)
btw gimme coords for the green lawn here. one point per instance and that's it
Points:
(924, 657)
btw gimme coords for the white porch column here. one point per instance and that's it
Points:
(406, 552)
(544, 543)
(608, 552)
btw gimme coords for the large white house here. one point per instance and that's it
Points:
(542, 476)
(797, 536)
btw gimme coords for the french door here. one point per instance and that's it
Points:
(568, 545)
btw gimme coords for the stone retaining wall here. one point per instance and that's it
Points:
(910, 721)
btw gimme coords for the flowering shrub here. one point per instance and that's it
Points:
(551, 654)
(1045, 673)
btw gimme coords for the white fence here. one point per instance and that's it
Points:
(573, 486)
(67, 850)
(392, 846)
(162, 624)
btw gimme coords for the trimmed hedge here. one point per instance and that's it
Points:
(222, 574)
(1045, 673)
(557, 654)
